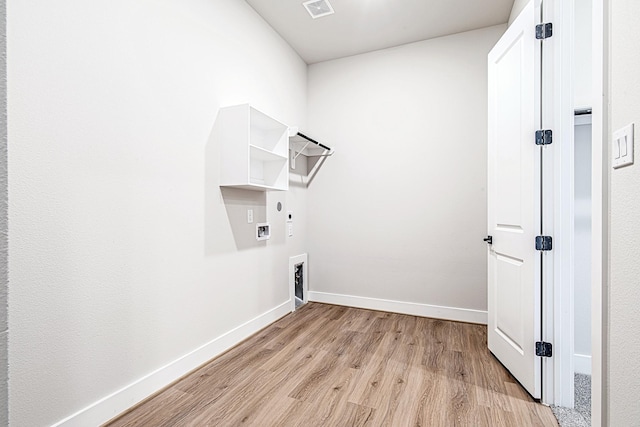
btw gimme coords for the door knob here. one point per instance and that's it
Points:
(488, 239)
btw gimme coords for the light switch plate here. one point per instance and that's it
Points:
(622, 147)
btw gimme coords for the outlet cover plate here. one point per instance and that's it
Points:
(622, 147)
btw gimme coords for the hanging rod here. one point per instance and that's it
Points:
(313, 141)
(328, 151)
(582, 111)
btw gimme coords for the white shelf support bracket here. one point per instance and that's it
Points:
(295, 155)
(292, 158)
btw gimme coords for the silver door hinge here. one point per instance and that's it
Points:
(544, 31)
(544, 349)
(544, 243)
(544, 137)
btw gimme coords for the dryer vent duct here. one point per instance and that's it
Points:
(318, 8)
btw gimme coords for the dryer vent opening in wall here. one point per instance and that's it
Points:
(298, 283)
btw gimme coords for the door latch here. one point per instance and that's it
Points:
(488, 239)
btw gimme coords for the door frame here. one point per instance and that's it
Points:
(600, 213)
(557, 316)
(558, 212)
(556, 96)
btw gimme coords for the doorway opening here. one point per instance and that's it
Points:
(582, 263)
(582, 98)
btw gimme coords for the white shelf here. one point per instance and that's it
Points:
(254, 150)
(264, 155)
(254, 187)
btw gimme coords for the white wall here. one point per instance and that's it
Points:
(518, 5)
(125, 256)
(399, 212)
(624, 294)
(4, 224)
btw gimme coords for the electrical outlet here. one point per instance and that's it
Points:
(249, 216)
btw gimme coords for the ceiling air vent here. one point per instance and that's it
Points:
(318, 8)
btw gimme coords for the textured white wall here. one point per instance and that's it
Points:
(4, 224)
(624, 316)
(124, 253)
(399, 212)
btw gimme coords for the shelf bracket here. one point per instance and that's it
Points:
(300, 152)
(295, 155)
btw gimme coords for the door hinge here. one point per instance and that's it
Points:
(544, 137)
(544, 31)
(543, 349)
(544, 243)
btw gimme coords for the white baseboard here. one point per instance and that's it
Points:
(582, 364)
(424, 310)
(110, 406)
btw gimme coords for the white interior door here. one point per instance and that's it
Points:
(514, 201)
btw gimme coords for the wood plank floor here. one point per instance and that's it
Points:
(327, 365)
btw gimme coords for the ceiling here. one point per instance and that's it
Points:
(360, 26)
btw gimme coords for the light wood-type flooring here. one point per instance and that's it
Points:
(326, 365)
